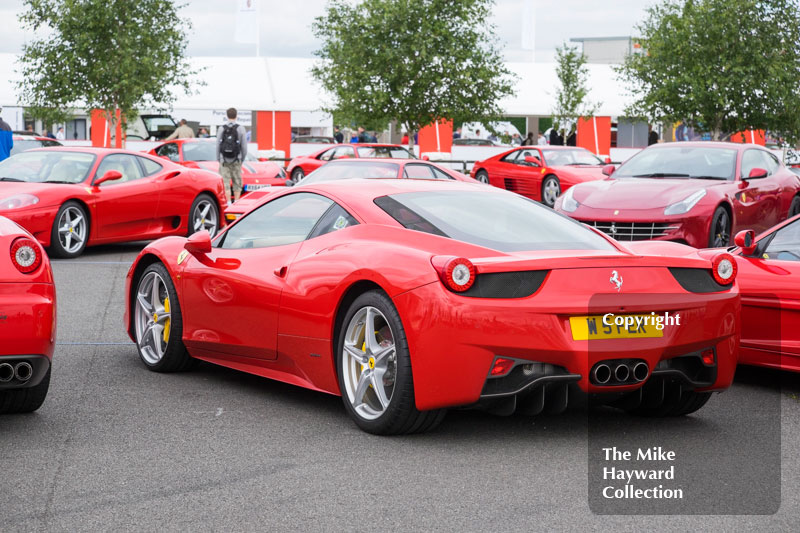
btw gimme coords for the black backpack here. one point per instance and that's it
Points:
(229, 146)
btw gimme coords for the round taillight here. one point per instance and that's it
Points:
(724, 268)
(459, 274)
(26, 255)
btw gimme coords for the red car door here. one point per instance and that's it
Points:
(231, 296)
(125, 208)
(771, 300)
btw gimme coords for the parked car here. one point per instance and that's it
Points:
(301, 166)
(24, 142)
(698, 193)
(539, 172)
(70, 198)
(476, 142)
(407, 297)
(314, 139)
(202, 153)
(27, 320)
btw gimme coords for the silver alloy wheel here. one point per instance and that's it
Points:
(483, 177)
(369, 363)
(204, 217)
(152, 317)
(72, 229)
(551, 191)
(297, 175)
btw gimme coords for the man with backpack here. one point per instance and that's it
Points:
(231, 151)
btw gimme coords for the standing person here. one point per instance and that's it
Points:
(555, 138)
(478, 134)
(542, 139)
(231, 151)
(338, 135)
(48, 134)
(29, 128)
(528, 140)
(572, 138)
(652, 136)
(60, 134)
(6, 138)
(183, 131)
(202, 133)
(404, 140)
(363, 136)
(457, 134)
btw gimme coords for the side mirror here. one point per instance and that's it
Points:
(426, 158)
(533, 160)
(609, 169)
(198, 243)
(108, 176)
(746, 240)
(607, 160)
(757, 173)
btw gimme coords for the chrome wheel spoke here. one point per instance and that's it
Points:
(364, 381)
(369, 332)
(145, 335)
(383, 354)
(359, 356)
(144, 304)
(376, 379)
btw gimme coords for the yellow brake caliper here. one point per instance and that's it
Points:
(167, 321)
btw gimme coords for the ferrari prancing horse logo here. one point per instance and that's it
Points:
(616, 279)
(182, 256)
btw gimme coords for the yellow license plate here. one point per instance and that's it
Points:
(592, 327)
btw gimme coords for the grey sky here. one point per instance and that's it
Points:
(285, 25)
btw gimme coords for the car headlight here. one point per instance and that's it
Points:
(686, 204)
(568, 203)
(17, 201)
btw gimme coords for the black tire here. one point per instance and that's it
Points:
(719, 232)
(57, 248)
(175, 358)
(297, 175)
(550, 181)
(482, 176)
(794, 208)
(213, 210)
(25, 400)
(400, 415)
(677, 402)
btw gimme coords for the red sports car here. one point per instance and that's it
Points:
(769, 281)
(354, 169)
(303, 165)
(70, 198)
(411, 296)
(539, 172)
(27, 320)
(697, 193)
(202, 153)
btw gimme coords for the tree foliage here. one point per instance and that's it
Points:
(414, 61)
(720, 66)
(572, 93)
(103, 54)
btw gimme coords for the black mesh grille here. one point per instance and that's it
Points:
(510, 185)
(697, 280)
(506, 284)
(633, 231)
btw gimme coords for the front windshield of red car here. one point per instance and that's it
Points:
(387, 152)
(498, 220)
(343, 170)
(576, 157)
(676, 161)
(47, 167)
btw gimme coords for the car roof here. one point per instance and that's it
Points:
(705, 144)
(89, 150)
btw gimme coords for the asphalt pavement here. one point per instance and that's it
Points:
(116, 447)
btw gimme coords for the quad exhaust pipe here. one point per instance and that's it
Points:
(619, 373)
(6, 372)
(601, 374)
(22, 371)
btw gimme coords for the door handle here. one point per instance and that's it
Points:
(281, 272)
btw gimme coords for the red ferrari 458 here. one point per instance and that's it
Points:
(697, 193)
(539, 172)
(407, 297)
(70, 198)
(27, 320)
(303, 165)
(202, 153)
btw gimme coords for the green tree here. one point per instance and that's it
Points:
(572, 92)
(114, 55)
(720, 66)
(414, 61)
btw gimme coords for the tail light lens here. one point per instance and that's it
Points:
(724, 268)
(501, 366)
(458, 274)
(26, 255)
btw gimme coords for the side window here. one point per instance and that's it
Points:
(334, 219)
(344, 152)
(169, 150)
(510, 158)
(526, 153)
(150, 166)
(418, 172)
(439, 175)
(125, 164)
(770, 162)
(285, 220)
(751, 159)
(327, 154)
(785, 245)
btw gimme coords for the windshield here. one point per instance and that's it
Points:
(158, 123)
(343, 170)
(47, 167)
(388, 152)
(579, 156)
(21, 146)
(501, 221)
(681, 162)
(206, 151)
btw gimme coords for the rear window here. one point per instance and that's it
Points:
(500, 221)
(389, 152)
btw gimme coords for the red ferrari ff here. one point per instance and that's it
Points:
(407, 297)
(70, 198)
(539, 172)
(353, 169)
(301, 166)
(27, 320)
(698, 193)
(769, 281)
(202, 153)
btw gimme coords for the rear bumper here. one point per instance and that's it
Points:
(27, 319)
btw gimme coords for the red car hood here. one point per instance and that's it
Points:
(48, 193)
(581, 173)
(638, 193)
